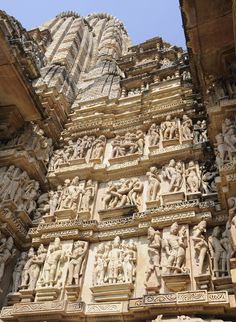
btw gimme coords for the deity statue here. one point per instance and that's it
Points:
(76, 262)
(36, 265)
(154, 183)
(154, 251)
(208, 173)
(200, 245)
(217, 252)
(174, 246)
(115, 261)
(192, 178)
(117, 149)
(53, 266)
(70, 194)
(135, 193)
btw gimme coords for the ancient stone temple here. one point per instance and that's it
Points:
(118, 170)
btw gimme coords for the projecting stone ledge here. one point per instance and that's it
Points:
(112, 292)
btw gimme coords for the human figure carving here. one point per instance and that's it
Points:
(217, 252)
(173, 173)
(7, 252)
(154, 135)
(187, 125)
(87, 196)
(169, 128)
(16, 276)
(53, 265)
(200, 245)
(154, 250)
(175, 245)
(98, 147)
(154, 183)
(76, 261)
(192, 177)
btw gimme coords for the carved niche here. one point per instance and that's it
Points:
(121, 197)
(72, 200)
(114, 270)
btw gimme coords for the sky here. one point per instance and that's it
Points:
(144, 19)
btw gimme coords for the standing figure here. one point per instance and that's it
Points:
(216, 252)
(7, 251)
(187, 125)
(16, 276)
(200, 244)
(154, 135)
(36, 265)
(87, 196)
(76, 261)
(52, 267)
(154, 250)
(154, 183)
(98, 147)
(114, 264)
(129, 261)
(192, 178)
(175, 246)
(135, 193)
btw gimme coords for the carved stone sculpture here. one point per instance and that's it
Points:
(208, 174)
(231, 224)
(192, 178)
(18, 269)
(53, 265)
(169, 128)
(76, 262)
(154, 183)
(98, 147)
(217, 252)
(130, 143)
(154, 135)
(115, 262)
(82, 146)
(200, 245)
(87, 197)
(174, 246)
(154, 251)
(173, 174)
(7, 251)
(186, 127)
(125, 192)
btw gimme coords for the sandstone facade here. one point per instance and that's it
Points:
(117, 167)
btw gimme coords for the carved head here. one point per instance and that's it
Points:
(216, 231)
(174, 228)
(57, 243)
(172, 163)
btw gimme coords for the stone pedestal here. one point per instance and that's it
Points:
(203, 281)
(193, 195)
(27, 295)
(112, 292)
(77, 161)
(116, 212)
(72, 292)
(223, 283)
(47, 294)
(124, 158)
(153, 203)
(48, 218)
(13, 298)
(189, 141)
(96, 161)
(63, 214)
(86, 215)
(166, 143)
(176, 282)
(172, 197)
